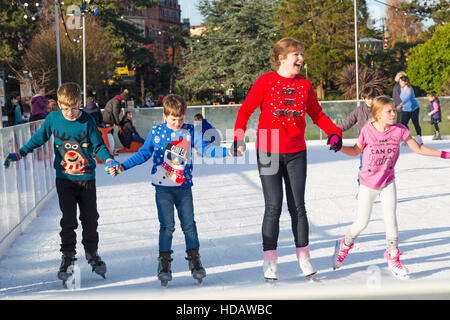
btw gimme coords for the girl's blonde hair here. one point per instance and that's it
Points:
(378, 105)
(69, 94)
(399, 75)
(282, 48)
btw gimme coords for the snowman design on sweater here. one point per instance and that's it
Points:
(171, 170)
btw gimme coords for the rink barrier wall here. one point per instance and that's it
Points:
(26, 185)
(223, 118)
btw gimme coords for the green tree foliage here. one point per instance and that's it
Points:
(234, 49)
(327, 30)
(429, 63)
(15, 34)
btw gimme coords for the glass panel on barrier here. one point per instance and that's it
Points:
(25, 182)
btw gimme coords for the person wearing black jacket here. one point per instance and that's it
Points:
(129, 132)
(94, 110)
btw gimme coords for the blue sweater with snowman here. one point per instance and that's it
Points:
(172, 154)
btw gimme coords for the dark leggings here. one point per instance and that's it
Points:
(273, 169)
(414, 116)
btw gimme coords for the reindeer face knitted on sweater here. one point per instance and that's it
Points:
(73, 161)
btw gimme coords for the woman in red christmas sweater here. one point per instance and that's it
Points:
(284, 98)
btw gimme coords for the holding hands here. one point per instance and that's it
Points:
(335, 142)
(237, 148)
(113, 168)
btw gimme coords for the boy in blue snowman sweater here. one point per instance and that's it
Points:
(170, 144)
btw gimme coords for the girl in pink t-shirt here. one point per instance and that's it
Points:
(379, 141)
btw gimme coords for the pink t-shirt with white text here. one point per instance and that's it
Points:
(380, 154)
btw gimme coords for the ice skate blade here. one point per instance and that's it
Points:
(68, 280)
(335, 254)
(164, 283)
(271, 281)
(64, 276)
(400, 276)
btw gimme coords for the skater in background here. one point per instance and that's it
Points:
(360, 115)
(14, 109)
(410, 107)
(379, 142)
(129, 132)
(284, 98)
(39, 105)
(170, 144)
(52, 106)
(206, 130)
(94, 110)
(111, 114)
(435, 113)
(76, 138)
(396, 95)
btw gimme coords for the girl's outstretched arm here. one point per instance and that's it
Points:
(352, 151)
(422, 149)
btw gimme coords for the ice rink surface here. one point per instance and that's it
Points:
(229, 208)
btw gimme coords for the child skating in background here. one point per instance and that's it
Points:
(379, 142)
(170, 144)
(360, 115)
(76, 138)
(435, 113)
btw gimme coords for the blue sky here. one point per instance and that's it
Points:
(189, 10)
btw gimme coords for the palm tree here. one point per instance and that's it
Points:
(367, 78)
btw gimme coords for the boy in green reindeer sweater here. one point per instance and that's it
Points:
(76, 138)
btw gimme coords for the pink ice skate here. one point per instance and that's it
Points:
(395, 265)
(340, 253)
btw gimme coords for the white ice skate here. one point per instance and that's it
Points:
(395, 265)
(304, 260)
(419, 140)
(270, 268)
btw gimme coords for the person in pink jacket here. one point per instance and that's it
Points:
(39, 105)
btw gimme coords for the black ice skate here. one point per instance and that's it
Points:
(98, 266)
(164, 268)
(195, 265)
(66, 268)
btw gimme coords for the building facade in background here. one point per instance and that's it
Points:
(153, 21)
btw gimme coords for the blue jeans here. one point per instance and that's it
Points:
(168, 198)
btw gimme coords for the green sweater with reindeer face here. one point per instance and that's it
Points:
(73, 146)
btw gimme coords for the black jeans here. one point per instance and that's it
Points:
(273, 169)
(414, 116)
(84, 194)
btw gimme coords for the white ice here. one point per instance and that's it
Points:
(228, 210)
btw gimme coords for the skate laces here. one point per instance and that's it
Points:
(343, 252)
(395, 261)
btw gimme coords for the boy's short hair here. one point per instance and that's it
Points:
(174, 105)
(378, 105)
(198, 117)
(432, 94)
(369, 92)
(69, 94)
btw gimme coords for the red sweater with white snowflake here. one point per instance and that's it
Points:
(283, 102)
